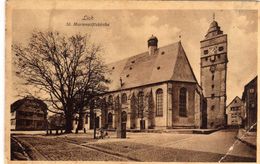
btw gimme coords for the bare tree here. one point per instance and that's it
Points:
(66, 71)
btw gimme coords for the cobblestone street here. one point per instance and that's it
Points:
(138, 147)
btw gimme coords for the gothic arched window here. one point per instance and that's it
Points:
(110, 118)
(110, 99)
(117, 103)
(124, 98)
(159, 102)
(140, 104)
(183, 102)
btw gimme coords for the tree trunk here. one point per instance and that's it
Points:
(81, 121)
(69, 124)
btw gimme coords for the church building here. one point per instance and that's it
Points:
(157, 89)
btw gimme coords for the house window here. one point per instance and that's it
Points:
(206, 52)
(124, 98)
(183, 102)
(212, 96)
(252, 90)
(159, 102)
(140, 104)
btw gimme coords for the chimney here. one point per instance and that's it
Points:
(152, 45)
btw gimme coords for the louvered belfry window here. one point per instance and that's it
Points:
(183, 102)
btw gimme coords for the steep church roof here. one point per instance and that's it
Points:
(167, 63)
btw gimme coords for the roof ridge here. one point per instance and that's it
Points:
(127, 58)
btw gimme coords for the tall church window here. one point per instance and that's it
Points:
(159, 102)
(110, 99)
(183, 102)
(110, 118)
(117, 103)
(124, 98)
(140, 104)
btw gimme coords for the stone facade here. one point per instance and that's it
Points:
(169, 118)
(213, 74)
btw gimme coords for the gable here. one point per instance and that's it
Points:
(182, 69)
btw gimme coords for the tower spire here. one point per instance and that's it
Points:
(213, 16)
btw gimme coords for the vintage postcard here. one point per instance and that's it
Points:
(131, 81)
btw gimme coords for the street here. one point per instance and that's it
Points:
(221, 146)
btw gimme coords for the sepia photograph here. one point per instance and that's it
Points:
(131, 83)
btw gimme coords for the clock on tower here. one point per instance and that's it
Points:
(213, 74)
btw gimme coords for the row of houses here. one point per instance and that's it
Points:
(242, 112)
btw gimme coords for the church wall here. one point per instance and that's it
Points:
(198, 110)
(159, 121)
(189, 120)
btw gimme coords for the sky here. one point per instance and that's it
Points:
(129, 30)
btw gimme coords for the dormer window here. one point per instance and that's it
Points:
(133, 61)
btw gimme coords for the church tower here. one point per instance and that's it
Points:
(213, 74)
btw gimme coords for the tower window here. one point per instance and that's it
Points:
(130, 68)
(212, 95)
(127, 75)
(206, 52)
(158, 67)
(163, 53)
(212, 77)
(221, 48)
(212, 107)
(212, 86)
(113, 67)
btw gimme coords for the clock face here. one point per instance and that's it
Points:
(212, 68)
(213, 50)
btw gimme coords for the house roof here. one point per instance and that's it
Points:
(235, 99)
(167, 63)
(28, 100)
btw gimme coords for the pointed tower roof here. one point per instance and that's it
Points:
(213, 30)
